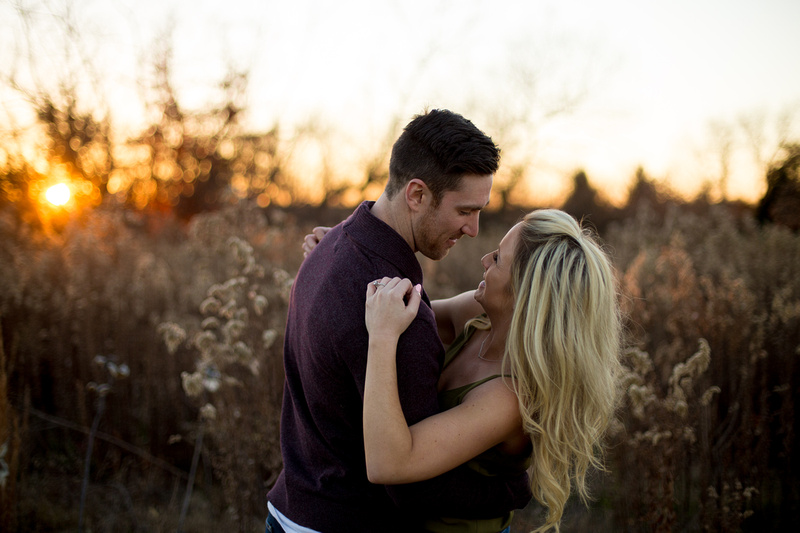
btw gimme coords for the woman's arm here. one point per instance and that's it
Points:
(397, 453)
(453, 313)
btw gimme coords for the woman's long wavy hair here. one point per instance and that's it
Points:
(563, 351)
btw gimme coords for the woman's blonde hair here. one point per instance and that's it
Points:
(563, 352)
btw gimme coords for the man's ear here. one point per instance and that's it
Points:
(417, 194)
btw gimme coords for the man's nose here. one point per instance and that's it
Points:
(471, 227)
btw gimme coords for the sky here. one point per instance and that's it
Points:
(563, 85)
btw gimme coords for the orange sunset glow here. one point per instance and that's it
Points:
(58, 195)
(562, 86)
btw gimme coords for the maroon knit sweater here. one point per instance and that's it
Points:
(324, 484)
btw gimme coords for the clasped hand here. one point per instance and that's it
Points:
(392, 304)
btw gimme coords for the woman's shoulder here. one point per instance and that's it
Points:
(495, 398)
(496, 386)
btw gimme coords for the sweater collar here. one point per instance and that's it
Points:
(372, 233)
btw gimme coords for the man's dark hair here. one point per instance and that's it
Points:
(439, 147)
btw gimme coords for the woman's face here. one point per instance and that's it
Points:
(494, 292)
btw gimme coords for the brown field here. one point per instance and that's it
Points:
(195, 310)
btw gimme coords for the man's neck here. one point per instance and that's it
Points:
(389, 212)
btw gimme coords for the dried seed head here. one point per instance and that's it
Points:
(210, 323)
(192, 383)
(243, 352)
(210, 306)
(205, 341)
(228, 310)
(208, 412)
(708, 395)
(681, 408)
(233, 329)
(173, 335)
(268, 338)
(260, 304)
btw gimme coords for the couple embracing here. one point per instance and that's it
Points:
(406, 414)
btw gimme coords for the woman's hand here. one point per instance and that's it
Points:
(312, 239)
(396, 453)
(387, 314)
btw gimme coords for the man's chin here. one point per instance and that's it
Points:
(436, 255)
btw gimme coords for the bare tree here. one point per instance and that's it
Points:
(182, 159)
(57, 124)
(546, 79)
(723, 143)
(766, 136)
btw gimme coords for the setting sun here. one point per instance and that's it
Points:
(58, 194)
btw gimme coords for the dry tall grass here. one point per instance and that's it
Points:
(724, 459)
(705, 438)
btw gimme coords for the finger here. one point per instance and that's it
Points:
(372, 288)
(320, 231)
(407, 287)
(309, 243)
(391, 283)
(414, 298)
(404, 290)
(311, 240)
(402, 285)
(381, 283)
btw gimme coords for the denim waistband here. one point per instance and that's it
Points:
(273, 526)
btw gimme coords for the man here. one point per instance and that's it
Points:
(440, 178)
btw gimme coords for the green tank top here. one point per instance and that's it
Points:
(492, 462)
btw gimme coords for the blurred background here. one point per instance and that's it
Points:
(160, 162)
(700, 95)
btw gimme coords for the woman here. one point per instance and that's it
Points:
(531, 380)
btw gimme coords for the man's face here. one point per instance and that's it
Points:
(437, 228)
